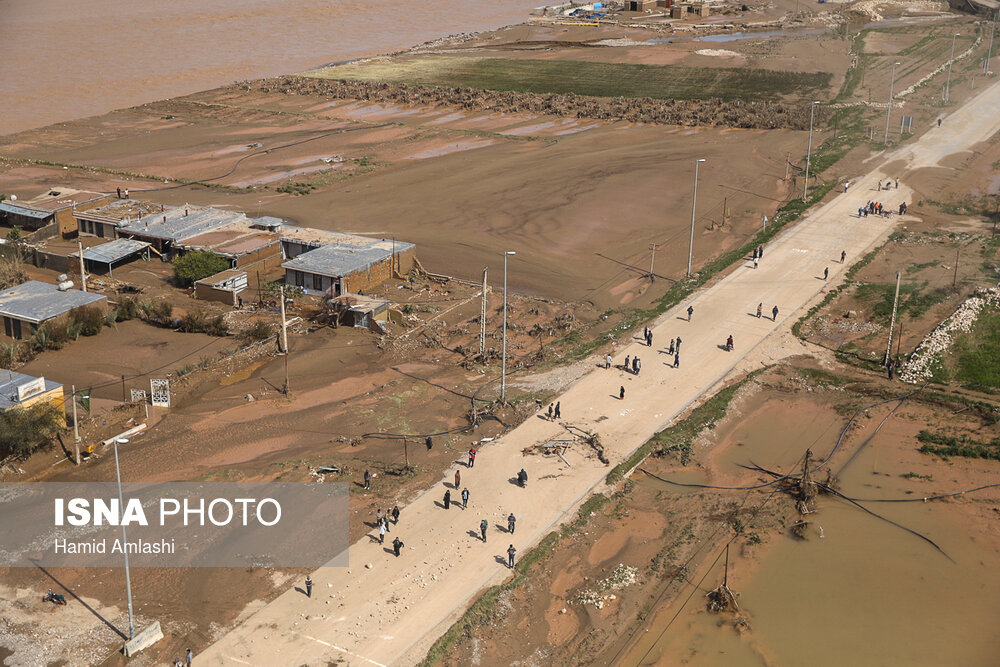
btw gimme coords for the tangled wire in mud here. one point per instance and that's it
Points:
(712, 113)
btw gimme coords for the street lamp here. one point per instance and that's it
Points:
(805, 185)
(503, 362)
(888, 111)
(947, 87)
(694, 201)
(128, 579)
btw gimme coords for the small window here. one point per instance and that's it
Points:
(317, 282)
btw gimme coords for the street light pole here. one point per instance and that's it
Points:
(694, 202)
(947, 86)
(128, 579)
(989, 51)
(805, 184)
(888, 111)
(503, 362)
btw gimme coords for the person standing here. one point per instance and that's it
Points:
(447, 499)
(368, 479)
(671, 350)
(843, 256)
(760, 251)
(760, 308)
(511, 551)
(690, 312)
(189, 657)
(678, 345)
(550, 411)
(385, 522)
(126, 193)
(635, 365)
(465, 498)
(458, 478)
(397, 544)
(511, 520)
(677, 359)
(826, 273)
(558, 410)
(649, 339)
(607, 361)
(119, 193)
(627, 364)
(483, 525)
(472, 457)
(892, 370)
(756, 260)
(309, 586)
(381, 533)
(378, 516)
(774, 314)
(880, 185)
(729, 343)
(621, 393)
(395, 514)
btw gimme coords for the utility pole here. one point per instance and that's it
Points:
(76, 428)
(805, 183)
(123, 389)
(83, 274)
(892, 322)
(694, 202)
(482, 316)
(725, 210)
(652, 255)
(503, 362)
(788, 163)
(888, 111)
(958, 254)
(284, 336)
(947, 87)
(989, 52)
(128, 578)
(406, 453)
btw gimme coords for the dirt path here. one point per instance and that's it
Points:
(391, 612)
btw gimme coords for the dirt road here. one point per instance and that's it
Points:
(392, 611)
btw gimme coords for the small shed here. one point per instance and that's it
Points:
(103, 257)
(18, 390)
(358, 310)
(224, 287)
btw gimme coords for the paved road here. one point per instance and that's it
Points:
(391, 613)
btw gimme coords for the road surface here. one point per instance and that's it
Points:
(391, 613)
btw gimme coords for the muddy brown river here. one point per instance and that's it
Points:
(66, 59)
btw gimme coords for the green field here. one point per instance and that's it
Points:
(583, 78)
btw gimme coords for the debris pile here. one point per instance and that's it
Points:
(623, 576)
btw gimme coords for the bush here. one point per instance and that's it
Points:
(157, 311)
(196, 265)
(24, 430)
(90, 318)
(258, 331)
(217, 326)
(127, 309)
(11, 270)
(194, 322)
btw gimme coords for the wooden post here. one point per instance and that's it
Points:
(76, 427)
(725, 576)
(892, 322)
(406, 453)
(123, 389)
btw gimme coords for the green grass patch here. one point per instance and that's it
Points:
(583, 78)
(824, 378)
(913, 300)
(946, 445)
(977, 354)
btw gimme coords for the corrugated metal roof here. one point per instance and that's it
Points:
(11, 207)
(173, 225)
(109, 253)
(336, 259)
(36, 301)
(11, 380)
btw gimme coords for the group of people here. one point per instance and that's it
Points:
(874, 208)
(774, 311)
(382, 521)
(555, 412)
(758, 252)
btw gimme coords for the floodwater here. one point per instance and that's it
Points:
(857, 590)
(66, 59)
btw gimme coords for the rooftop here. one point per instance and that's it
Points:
(338, 259)
(359, 302)
(109, 253)
(182, 222)
(321, 237)
(56, 199)
(11, 380)
(120, 209)
(235, 239)
(222, 276)
(36, 301)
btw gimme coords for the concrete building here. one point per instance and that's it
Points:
(104, 257)
(225, 287)
(56, 206)
(103, 221)
(339, 268)
(639, 5)
(26, 306)
(18, 390)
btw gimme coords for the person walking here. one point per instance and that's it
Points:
(378, 516)
(774, 314)
(892, 370)
(826, 273)
(558, 410)
(511, 520)
(381, 532)
(635, 365)
(511, 551)
(395, 514)
(880, 185)
(551, 405)
(649, 339)
(861, 211)
(119, 193)
(621, 393)
(627, 364)
(483, 525)
(729, 343)
(760, 251)
(756, 260)
(458, 478)
(671, 350)
(843, 256)
(465, 498)
(607, 361)
(677, 359)
(385, 522)
(472, 457)
(126, 193)
(309, 586)
(397, 544)
(188, 657)
(678, 344)
(760, 308)
(690, 312)
(368, 479)
(447, 499)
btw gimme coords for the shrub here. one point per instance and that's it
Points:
(90, 318)
(24, 430)
(157, 311)
(194, 322)
(217, 326)
(196, 265)
(11, 270)
(127, 309)
(258, 331)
